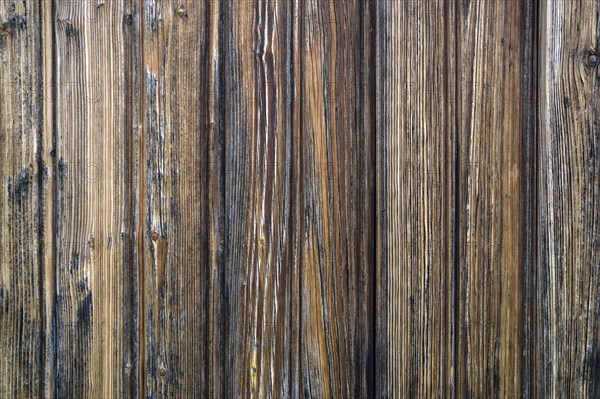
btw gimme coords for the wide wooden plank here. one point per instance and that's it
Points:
(175, 152)
(259, 345)
(491, 210)
(415, 186)
(567, 276)
(94, 305)
(337, 172)
(24, 186)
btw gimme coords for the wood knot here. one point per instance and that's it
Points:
(592, 59)
(155, 235)
(162, 372)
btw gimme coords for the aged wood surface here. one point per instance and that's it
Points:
(299, 198)
(567, 278)
(416, 156)
(23, 326)
(490, 200)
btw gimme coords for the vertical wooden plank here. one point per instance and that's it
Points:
(93, 221)
(337, 223)
(415, 187)
(567, 350)
(491, 38)
(23, 189)
(259, 173)
(175, 154)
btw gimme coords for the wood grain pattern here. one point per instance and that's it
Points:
(173, 189)
(336, 296)
(24, 187)
(566, 353)
(93, 311)
(299, 198)
(416, 145)
(260, 348)
(490, 198)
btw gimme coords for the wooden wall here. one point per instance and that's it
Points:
(299, 198)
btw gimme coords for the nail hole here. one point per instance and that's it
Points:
(182, 12)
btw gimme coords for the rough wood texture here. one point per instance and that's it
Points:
(567, 277)
(490, 206)
(299, 198)
(416, 155)
(93, 314)
(259, 344)
(24, 184)
(336, 261)
(173, 155)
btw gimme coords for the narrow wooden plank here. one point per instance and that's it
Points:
(337, 171)
(174, 158)
(491, 210)
(258, 89)
(24, 185)
(415, 159)
(567, 278)
(94, 307)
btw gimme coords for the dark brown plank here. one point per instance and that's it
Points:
(257, 82)
(491, 210)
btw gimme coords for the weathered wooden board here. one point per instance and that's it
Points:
(175, 141)
(93, 312)
(337, 170)
(24, 187)
(416, 155)
(490, 198)
(566, 354)
(299, 198)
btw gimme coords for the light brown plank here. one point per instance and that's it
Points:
(177, 119)
(415, 186)
(93, 232)
(337, 171)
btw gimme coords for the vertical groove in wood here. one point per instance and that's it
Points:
(530, 193)
(415, 210)
(382, 344)
(22, 202)
(336, 167)
(175, 152)
(48, 161)
(567, 341)
(93, 221)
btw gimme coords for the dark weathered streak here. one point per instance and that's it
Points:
(299, 198)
